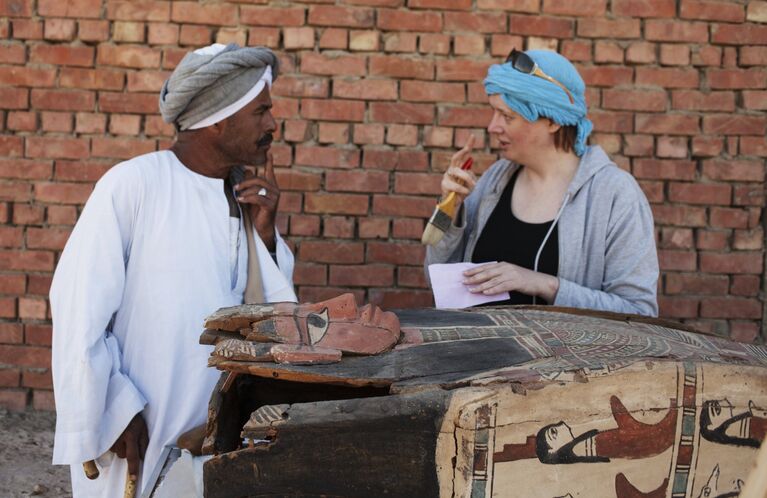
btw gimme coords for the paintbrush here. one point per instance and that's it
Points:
(443, 215)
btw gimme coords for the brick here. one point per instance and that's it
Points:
(124, 31)
(336, 203)
(440, 4)
(532, 6)
(411, 277)
(712, 11)
(636, 100)
(587, 8)
(14, 98)
(357, 181)
(55, 147)
(26, 260)
(298, 38)
(27, 29)
(400, 42)
(226, 36)
(757, 11)
(37, 380)
(672, 147)
(402, 135)
(63, 193)
(351, 17)
(162, 34)
(606, 75)
(677, 260)
(16, 8)
(739, 34)
(22, 121)
(730, 307)
(607, 52)
(71, 8)
(195, 13)
(304, 225)
(398, 20)
(728, 218)
(734, 124)
(333, 110)
(63, 100)
(438, 136)
(734, 170)
(26, 169)
(199, 35)
(331, 252)
(310, 274)
(737, 78)
(667, 77)
(753, 56)
(334, 38)
(25, 214)
(748, 195)
(138, 10)
(671, 124)
(146, 81)
(716, 285)
(337, 133)
(92, 79)
(25, 356)
(129, 56)
(676, 238)
(90, 123)
(9, 377)
(368, 134)
(297, 86)
(706, 146)
(541, 26)
(734, 262)
(11, 146)
(417, 183)
(26, 76)
(400, 205)
(644, 8)
(608, 28)
(59, 29)
(373, 228)
(674, 55)
(417, 91)
(464, 116)
(62, 215)
(367, 40)
(272, 16)
(400, 67)
(394, 253)
(57, 121)
(62, 55)
(365, 89)
(745, 285)
(384, 112)
(475, 22)
(313, 63)
(13, 54)
(32, 309)
(664, 169)
(92, 30)
(676, 31)
(14, 400)
(340, 227)
(431, 43)
(653, 191)
(755, 100)
(706, 56)
(11, 237)
(121, 148)
(138, 103)
(744, 332)
(693, 100)
(123, 124)
(407, 228)
(461, 70)
(362, 275)
(327, 157)
(748, 240)
(81, 171)
(395, 159)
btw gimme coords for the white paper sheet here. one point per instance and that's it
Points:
(450, 291)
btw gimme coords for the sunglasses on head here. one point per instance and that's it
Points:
(525, 64)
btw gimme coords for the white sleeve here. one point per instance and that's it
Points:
(276, 277)
(94, 399)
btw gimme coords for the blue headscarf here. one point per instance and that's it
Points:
(533, 97)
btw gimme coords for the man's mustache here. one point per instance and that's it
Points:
(265, 140)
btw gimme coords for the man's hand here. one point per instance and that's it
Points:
(132, 444)
(262, 196)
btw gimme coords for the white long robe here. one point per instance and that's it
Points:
(154, 252)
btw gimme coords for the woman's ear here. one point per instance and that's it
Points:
(554, 127)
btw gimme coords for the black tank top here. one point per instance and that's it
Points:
(507, 238)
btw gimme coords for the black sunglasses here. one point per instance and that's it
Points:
(525, 64)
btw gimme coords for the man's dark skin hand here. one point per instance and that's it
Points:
(132, 444)
(263, 208)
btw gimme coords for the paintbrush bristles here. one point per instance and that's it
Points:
(440, 221)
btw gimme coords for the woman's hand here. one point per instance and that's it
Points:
(457, 180)
(262, 196)
(494, 278)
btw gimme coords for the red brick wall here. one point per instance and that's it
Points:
(375, 96)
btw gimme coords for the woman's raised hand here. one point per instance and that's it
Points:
(457, 180)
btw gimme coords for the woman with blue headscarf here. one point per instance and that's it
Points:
(555, 219)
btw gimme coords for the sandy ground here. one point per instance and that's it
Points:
(26, 447)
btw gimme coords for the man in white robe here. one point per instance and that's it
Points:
(161, 243)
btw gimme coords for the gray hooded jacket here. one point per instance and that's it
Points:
(607, 255)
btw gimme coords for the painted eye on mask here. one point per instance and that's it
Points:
(317, 323)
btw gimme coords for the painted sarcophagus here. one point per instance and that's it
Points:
(331, 400)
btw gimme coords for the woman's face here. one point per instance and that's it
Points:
(518, 138)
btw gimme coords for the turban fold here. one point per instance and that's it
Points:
(533, 97)
(213, 83)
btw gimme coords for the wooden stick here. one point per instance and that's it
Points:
(756, 484)
(130, 486)
(91, 471)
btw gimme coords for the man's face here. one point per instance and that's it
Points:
(247, 135)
